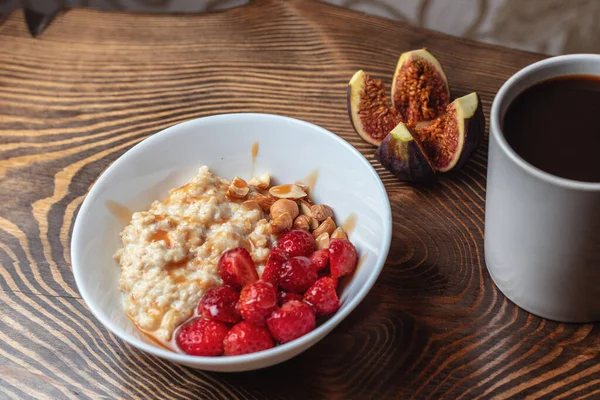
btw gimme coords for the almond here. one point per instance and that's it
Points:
(282, 223)
(302, 222)
(288, 191)
(327, 226)
(265, 202)
(305, 207)
(339, 234)
(321, 212)
(302, 186)
(284, 206)
(322, 241)
(262, 182)
(238, 188)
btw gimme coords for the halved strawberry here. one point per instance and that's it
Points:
(245, 338)
(291, 321)
(219, 304)
(342, 257)
(276, 259)
(322, 296)
(297, 274)
(284, 297)
(257, 302)
(320, 259)
(201, 337)
(236, 268)
(297, 243)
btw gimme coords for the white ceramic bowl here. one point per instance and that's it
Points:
(290, 150)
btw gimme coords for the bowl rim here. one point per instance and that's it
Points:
(280, 350)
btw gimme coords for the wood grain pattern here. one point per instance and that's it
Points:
(94, 84)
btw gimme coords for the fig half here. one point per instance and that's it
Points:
(368, 108)
(404, 157)
(420, 89)
(450, 140)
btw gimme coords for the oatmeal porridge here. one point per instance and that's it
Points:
(170, 252)
(232, 267)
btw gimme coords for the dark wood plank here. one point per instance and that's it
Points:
(94, 84)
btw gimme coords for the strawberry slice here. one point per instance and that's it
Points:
(201, 337)
(342, 257)
(257, 302)
(245, 338)
(284, 297)
(322, 296)
(291, 321)
(297, 274)
(297, 243)
(219, 304)
(320, 259)
(236, 268)
(276, 259)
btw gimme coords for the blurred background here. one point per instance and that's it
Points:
(545, 26)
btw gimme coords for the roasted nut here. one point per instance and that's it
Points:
(289, 191)
(302, 222)
(249, 205)
(238, 188)
(262, 182)
(282, 206)
(303, 186)
(305, 207)
(265, 202)
(282, 223)
(322, 241)
(326, 226)
(314, 224)
(339, 234)
(321, 212)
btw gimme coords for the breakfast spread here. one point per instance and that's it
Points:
(422, 133)
(232, 267)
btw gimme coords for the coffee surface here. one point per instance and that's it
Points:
(555, 126)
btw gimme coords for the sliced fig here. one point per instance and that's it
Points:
(450, 140)
(369, 110)
(420, 89)
(404, 157)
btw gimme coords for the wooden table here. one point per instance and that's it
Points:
(94, 84)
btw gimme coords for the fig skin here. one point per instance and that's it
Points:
(430, 96)
(404, 157)
(371, 105)
(473, 123)
(463, 123)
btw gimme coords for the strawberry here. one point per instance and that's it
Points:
(236, 268)
(291, 321)
(276, 258)
(320, 259)
(219, 304)
(201, 337)
(297, 274)
(322, 296)
(342, 257)
(284, 297)
(257, 302)
(297, 243)
(245, 338)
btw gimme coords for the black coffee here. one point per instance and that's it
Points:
(555, 126)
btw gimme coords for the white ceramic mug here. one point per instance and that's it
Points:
(542, 232)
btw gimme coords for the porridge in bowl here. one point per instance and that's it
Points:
(230, 267)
